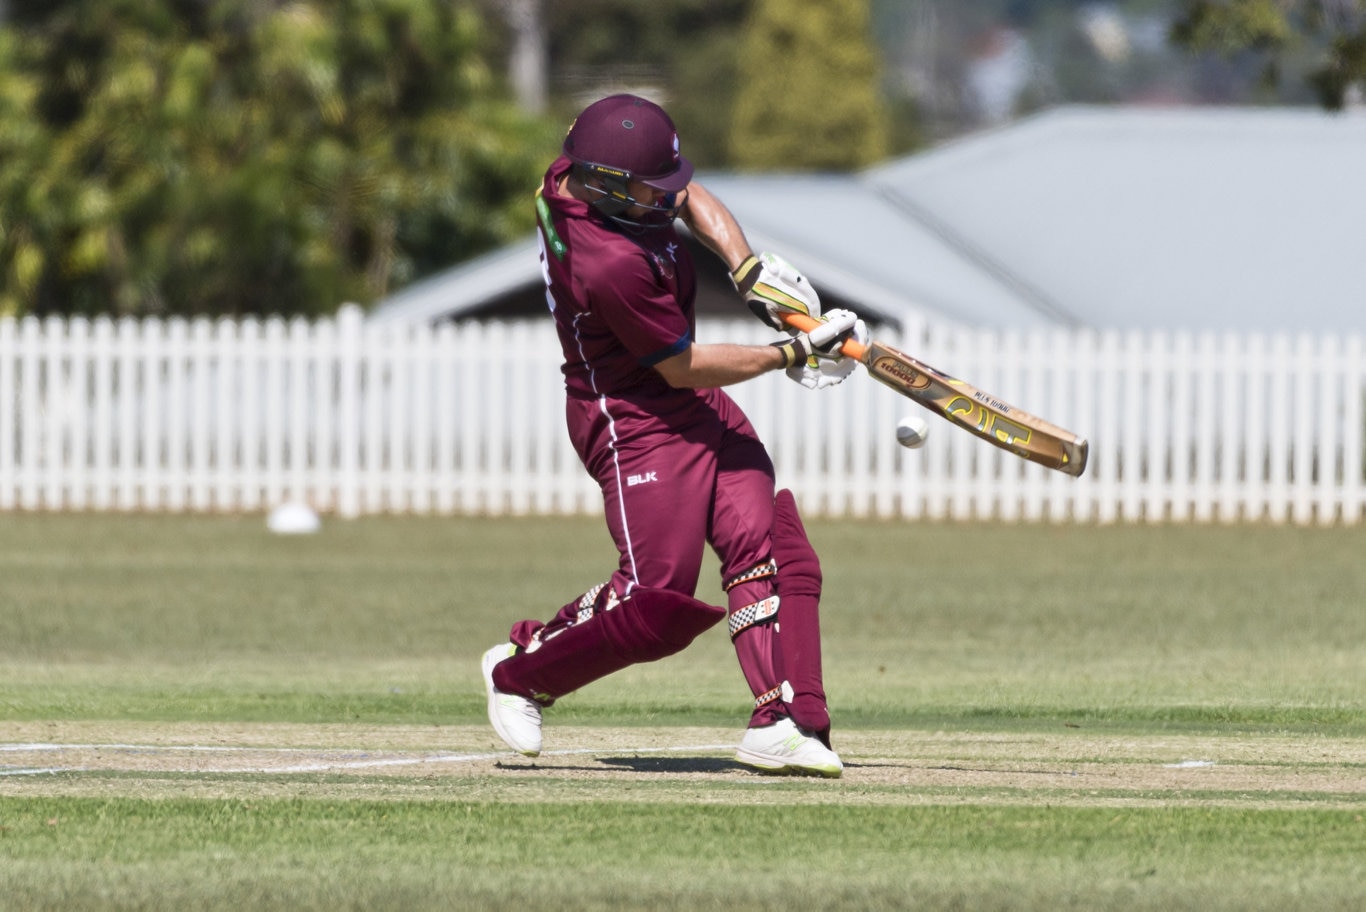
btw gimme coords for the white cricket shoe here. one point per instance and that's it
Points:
(516, 719)
(784, 748)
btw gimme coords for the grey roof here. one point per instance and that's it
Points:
(464, 287)
(848, 233)
(1103, 217)
(1193, 218)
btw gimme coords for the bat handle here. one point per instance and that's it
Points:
(851, 347)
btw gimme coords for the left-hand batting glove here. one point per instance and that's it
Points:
(823, 342)
(772, 286)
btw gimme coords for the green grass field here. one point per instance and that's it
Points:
(197, 714)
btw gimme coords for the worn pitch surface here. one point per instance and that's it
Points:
(1073, 767)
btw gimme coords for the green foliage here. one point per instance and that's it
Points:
(1327, 40)
(241, 157)
(810, 89)
(683, 53)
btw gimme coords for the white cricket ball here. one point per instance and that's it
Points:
(911, 431)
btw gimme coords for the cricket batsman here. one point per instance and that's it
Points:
(679, 465)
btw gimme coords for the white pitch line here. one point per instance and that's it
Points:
(316, 767)
(150, 748)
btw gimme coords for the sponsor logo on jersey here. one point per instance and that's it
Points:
(666, 267)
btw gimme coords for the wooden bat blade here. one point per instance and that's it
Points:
(977, 412)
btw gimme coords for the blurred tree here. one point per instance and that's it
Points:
(1333, 32)
(249, 156)
(809, 94)
(680, 53)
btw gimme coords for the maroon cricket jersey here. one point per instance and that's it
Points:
(676, 466)
(679, 469)
(622, 300)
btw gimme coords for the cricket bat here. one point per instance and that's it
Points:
(966, 406)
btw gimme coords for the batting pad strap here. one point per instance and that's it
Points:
(750, 615)
(592, 603)
(768, 697)
(758, 571)
(589, 602)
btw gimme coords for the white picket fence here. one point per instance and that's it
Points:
(353, 419)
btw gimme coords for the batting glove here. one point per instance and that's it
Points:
(823, 342)
(772, 287)
(828, 373)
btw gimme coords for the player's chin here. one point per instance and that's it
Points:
(652, 216)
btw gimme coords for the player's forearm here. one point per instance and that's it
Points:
(712, 224)
(722, 364)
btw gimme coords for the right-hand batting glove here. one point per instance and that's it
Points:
(825, 340)
(772, 286)
(829, 373)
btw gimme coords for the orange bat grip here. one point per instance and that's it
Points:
(851, 347)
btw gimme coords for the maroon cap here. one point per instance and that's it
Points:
(631, 134)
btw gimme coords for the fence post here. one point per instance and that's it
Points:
(1354, 423)
(349, 326)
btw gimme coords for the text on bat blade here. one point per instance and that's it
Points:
(901, 371)
(993, 403)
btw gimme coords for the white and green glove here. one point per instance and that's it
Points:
(829, 373)
(814, 359)
(772, 286)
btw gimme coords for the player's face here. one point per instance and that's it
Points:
(646, 197)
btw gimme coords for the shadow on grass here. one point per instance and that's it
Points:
(675, 764)
(671, 765)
